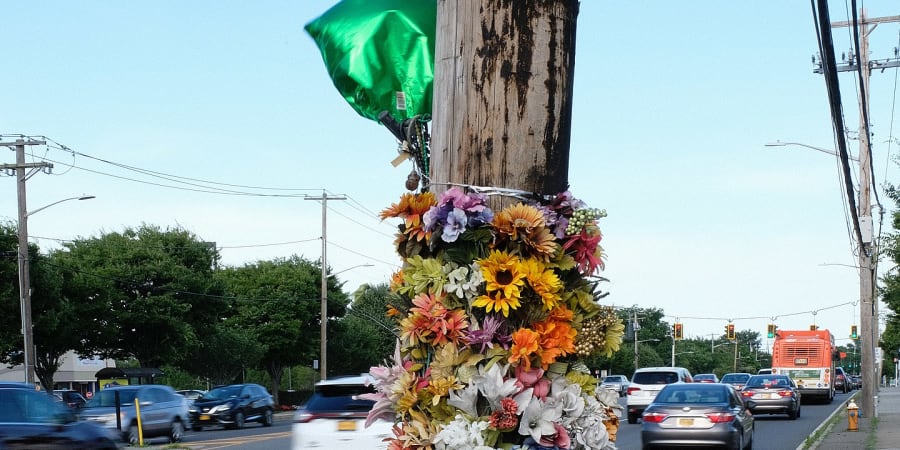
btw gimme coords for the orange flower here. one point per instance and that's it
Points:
(525, 224)
(525, 344)
(430, 322)
(411, 208)
(557, 337)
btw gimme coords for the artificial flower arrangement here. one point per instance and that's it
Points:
(494, 312)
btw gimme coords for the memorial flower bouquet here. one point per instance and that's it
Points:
(494, 312)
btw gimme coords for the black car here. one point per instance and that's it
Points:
(33, 419)
(233, 406)
(72, 399)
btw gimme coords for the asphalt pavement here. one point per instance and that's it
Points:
(882, 433)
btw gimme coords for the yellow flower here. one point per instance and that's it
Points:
(543, 281)
(504, 279)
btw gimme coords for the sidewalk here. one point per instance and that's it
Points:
(883, 433)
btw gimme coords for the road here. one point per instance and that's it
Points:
(772, 432)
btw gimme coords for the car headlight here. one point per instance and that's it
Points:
(220, 408)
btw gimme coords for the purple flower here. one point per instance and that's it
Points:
(489, 332)
(456, 224)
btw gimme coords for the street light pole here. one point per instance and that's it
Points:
(25, 279)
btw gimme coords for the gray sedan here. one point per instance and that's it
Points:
(697, 415)
(772, 394)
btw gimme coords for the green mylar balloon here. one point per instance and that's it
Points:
(380, 54)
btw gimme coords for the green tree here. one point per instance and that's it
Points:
(278, 302)
(365, 337)
(54, 318)
(224, 353)
(890, 289)
(150, 293)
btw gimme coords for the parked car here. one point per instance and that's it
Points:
(233, 406)
(32, 419)
(72, 399)
(334, 417)
(191, 394)
(647, 382)
(841, 382)
(163, 412)
(772, 394)
(737, 380)
(764, 372)
(618, 383)
(692, 415)
(706, 378)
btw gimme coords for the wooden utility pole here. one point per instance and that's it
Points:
(22, 230)
(323, 302)
(503, 94)
(868, 302)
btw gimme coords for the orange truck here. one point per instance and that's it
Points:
(808, 357)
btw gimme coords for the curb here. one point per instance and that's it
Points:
(826, 425)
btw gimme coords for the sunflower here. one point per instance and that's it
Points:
(543, 281)
(504, 277)
(525, 224)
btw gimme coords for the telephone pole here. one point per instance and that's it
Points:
(323, 332)
(868, 304)
(503, 80)
(23, 260)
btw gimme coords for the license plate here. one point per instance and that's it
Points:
(204, 417)
(685, 422)
(346, 425)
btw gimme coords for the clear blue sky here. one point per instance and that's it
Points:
(674, 102)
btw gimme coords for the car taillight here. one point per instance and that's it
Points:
(786, 393)
(653, 417)
(746, 394)
(632, 389)
(720, 417)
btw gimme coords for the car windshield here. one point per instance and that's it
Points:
(107, 398)
(612, 380)
(691, 394)
(768, 381)
(735, 378)
(27, 406)
(222, 393)
(340, 398)
(655, 378)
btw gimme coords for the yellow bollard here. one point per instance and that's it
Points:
(852, 416)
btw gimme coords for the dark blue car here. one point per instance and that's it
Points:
(34, 419)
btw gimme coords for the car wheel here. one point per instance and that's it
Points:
(792, 415)
(632, 418)
(176, 432)
(239, 420)
(268, 419)
(798, 410)
(131, 436)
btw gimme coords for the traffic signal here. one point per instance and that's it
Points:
(678, 332)
(770, 333)
(813, 327)
(853, 333)
(729, 331)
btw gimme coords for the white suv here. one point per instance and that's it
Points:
(647, 382)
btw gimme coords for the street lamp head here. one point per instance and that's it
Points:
(86, 197)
